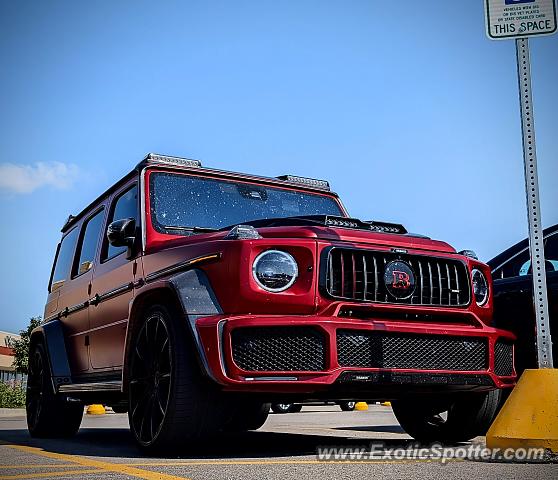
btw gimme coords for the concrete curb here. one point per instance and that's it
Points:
(12, 412)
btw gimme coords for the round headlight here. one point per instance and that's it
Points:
(275, 270)
(480, 287)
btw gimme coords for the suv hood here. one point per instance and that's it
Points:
(335, 230)
(358, 238)
(347, 230)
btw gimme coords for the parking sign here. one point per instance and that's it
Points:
(519, 18)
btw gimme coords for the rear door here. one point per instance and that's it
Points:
(67, 299)
(75, 294)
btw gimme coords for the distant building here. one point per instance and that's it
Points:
(7, 370)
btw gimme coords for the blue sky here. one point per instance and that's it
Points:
(405, 106)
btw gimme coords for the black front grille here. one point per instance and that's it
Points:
(268, 349)
(424, 352)
(503, 358)
(358, 275)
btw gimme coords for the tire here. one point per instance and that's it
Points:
(171, 406)
(48, 415)
(247, 416)
(295, 408)
(347, 406)
(450, 419)
(281, 407)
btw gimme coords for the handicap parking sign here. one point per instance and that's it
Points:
(513, 2)
(519, 18)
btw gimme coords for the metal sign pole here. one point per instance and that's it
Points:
(536, 241)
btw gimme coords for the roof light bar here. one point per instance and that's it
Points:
(183, 162)
(309, 182)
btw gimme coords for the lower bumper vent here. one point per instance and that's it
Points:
(503, 359)
(268, 349)
(425, 352)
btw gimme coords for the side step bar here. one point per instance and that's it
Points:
(112, 386)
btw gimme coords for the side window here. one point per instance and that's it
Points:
(124, 206)
(63, 260)
(88, 246)
(514, 266)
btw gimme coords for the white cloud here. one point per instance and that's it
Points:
(27, 178)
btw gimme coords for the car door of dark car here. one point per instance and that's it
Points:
(113, 289)
(513, 310)
(551, 255)
(513, 301)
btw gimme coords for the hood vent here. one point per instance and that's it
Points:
(382, 227)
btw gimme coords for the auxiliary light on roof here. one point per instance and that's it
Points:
(183, 162)
(309, 182)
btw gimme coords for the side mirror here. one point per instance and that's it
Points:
(122, 233)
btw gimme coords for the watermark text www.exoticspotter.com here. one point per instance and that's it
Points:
(435, 452)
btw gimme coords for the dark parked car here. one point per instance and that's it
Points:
(195, 297)
(513, 296)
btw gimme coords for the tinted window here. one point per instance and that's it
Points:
(521, 264)
(184, 201)
(125, 206)
(64, 259)
(90, 237)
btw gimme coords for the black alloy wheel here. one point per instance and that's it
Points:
(150, 379)
(172, 405)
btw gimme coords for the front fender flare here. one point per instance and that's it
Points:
(195, 298)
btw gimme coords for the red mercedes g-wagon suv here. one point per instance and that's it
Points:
(193, 298)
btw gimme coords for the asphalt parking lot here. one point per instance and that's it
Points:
(285, 447)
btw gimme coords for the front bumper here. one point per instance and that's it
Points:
(377, 360)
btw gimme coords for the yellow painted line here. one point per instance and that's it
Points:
(104, 466)
(40, 465)
(277, 462)
(49, 474)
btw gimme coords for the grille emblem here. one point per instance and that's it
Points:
(399, 279)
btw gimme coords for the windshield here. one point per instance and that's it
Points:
(181, 202)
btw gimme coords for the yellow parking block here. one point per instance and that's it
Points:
(96, 409)
(529, 418)
(386, 404)
(361, 406)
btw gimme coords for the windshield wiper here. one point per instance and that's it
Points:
(192, 230)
